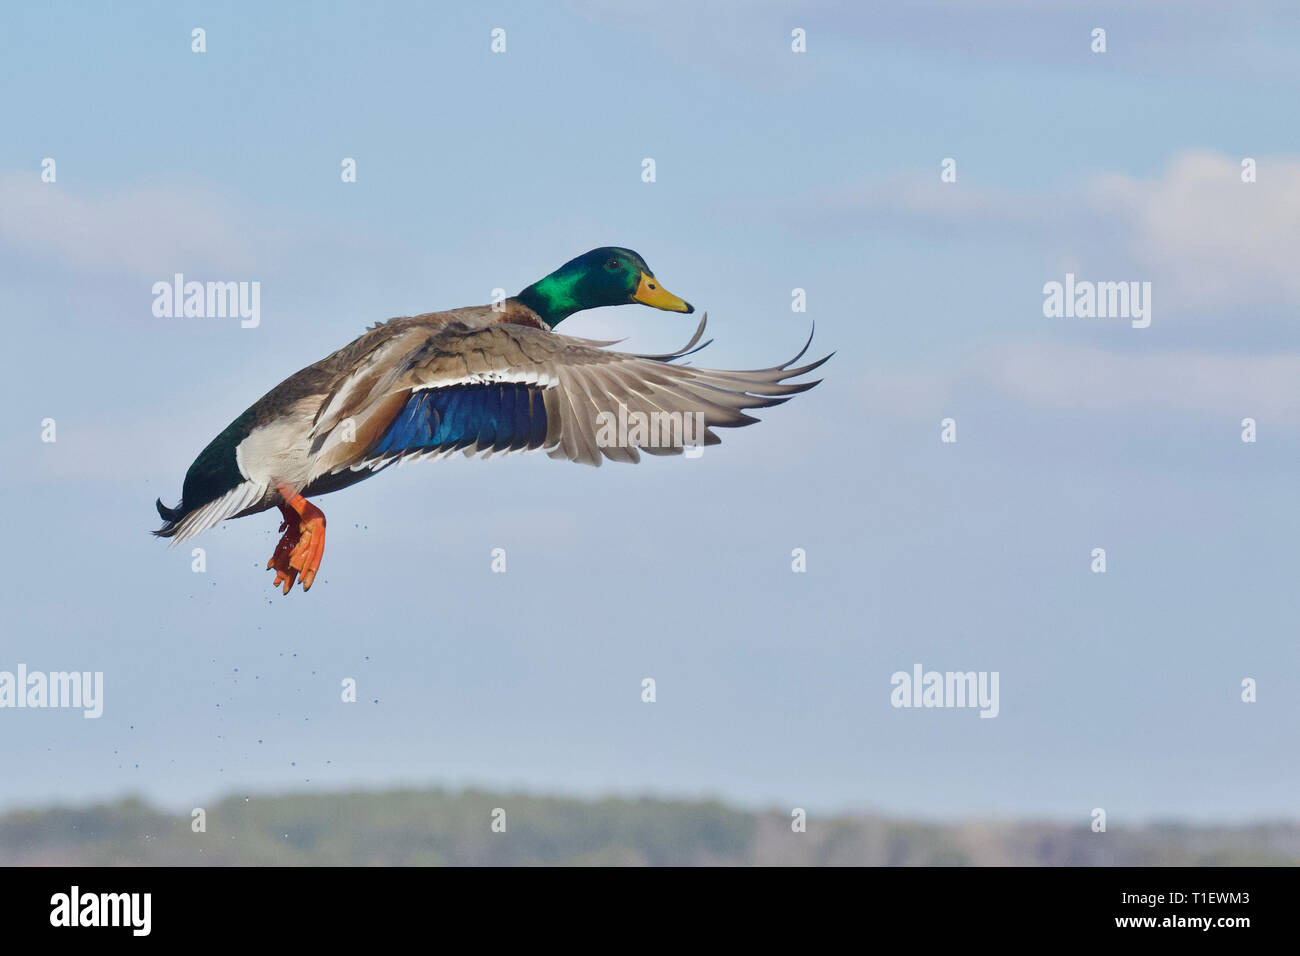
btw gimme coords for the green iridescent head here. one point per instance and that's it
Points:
(605, 276)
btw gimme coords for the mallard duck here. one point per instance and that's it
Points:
(482, 379)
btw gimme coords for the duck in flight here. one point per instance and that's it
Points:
(480, 380)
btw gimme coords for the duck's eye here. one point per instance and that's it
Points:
(612, 264)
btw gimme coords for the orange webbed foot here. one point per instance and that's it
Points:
(284, 573)
(310, 548)
(303, 545)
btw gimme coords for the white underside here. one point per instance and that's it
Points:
(280, 454)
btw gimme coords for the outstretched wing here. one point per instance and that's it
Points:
(510, 387)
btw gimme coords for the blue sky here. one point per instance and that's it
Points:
(775, 170)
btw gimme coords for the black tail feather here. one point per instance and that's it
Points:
(171, 516)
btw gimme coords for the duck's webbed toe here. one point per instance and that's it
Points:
(285, 574)
(307, 553)
(302, 546)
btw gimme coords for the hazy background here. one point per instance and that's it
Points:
(775, 170)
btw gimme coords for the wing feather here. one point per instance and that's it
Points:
(505, 387)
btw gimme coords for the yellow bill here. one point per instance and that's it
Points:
(650, 292)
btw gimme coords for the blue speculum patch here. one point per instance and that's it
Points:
(507, 415)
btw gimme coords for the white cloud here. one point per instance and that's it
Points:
(918, 394)
(1098, 380)
(741, 41)
(1206, 240)
(1211, 240)
(148, 232)
(933, 206)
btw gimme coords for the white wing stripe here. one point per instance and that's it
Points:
(228, 505)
